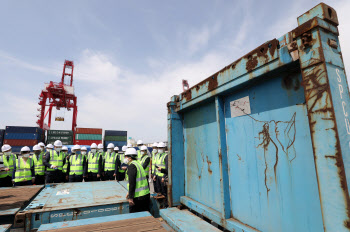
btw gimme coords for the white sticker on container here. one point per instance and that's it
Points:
(63, 192)
(240, 107)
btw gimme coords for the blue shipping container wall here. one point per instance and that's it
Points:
(22, 129)
(264, 143)
(115, 133)
(24, 136)
(17, 149)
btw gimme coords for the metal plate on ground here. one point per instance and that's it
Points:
(142, 221)
(73, 201)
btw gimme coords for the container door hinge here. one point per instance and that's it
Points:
(293, 50)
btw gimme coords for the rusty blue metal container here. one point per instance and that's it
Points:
(264, 144)
(73, 201)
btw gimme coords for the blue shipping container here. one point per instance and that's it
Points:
(23, 136)
(263, 144)
(115, 133)
(17, 149)
(23, 129)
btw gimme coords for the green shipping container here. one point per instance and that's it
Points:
(88, 137)
(60, 132)
(115, 138)
(62, 138)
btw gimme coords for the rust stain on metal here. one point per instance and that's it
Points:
(252, 62)
(239, 158)
(209, 163)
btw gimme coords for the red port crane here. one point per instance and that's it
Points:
(59, 95)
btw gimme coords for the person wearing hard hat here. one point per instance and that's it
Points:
(49, 147)
(84, 153)
(161, 166)
(42, 147)
(94, 168)
(139, 145)
(153, 163)
(102, 154)
(145, 160)
(54, 161)
(77, 165)
(138, 190)
(9, 161)
(39, 167)
(65, 166)
(121, 165)
(23, 171)
(110, 167)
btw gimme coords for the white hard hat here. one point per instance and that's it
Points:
(110, 145)
(36, 148)
(139, 142)
(116, 148)
(41, 144)
(75, 147)
(100, 146)
(124, 148)
(93, 146)
(131, 152)
(84, 149)
(129, 145)
(64, 148)
(25, 149)
(155, 144)
(144, 148)
(49, 146)
(161, 145)
(58, 143)
(5, 147)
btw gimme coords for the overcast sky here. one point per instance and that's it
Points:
(130, 56)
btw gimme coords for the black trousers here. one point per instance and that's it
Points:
(161, 186)
(75, 178)
(39, 179)
(109, 175)
(24, 183)
(92, 177)
(141, 204)
(53, 176)
(6, 181)
(121, 176)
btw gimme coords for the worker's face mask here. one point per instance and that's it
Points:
(126, 160)
(100, 150)
(83, 152)
(42, 148)
(93, 151)
(7, 153)
(25, 155)
(110, 150)
(161, 150)
(155, 150)
(143, 152)
(58, 149)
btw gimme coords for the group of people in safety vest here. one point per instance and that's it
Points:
(53, 164)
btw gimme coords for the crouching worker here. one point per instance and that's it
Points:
(23, 171)
(138, 195)
(77, 165)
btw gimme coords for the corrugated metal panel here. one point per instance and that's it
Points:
(27, 136)
(266, 139)
(115, 133)
(21, 142)
(74, 201)
(88, 136)
(60, 132)
(89, 131)
(23, 129)
(87, 142)
(115, 138)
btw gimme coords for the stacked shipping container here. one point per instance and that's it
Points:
(18, 136)
(66, 136)
(87, 136)
(118, 138)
